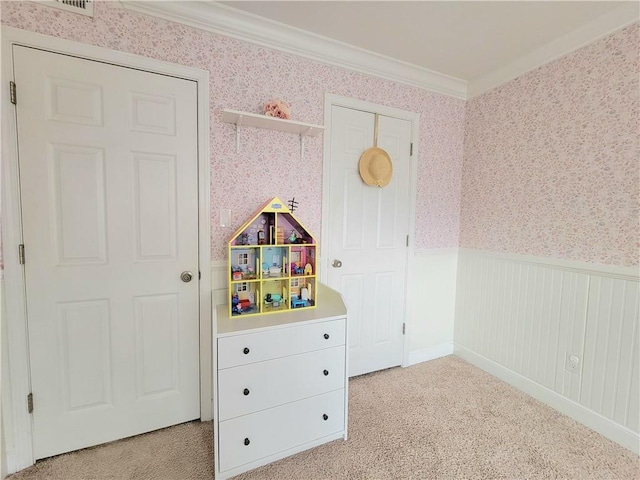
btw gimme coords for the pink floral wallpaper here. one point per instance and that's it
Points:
(551, 159)
(242, 77)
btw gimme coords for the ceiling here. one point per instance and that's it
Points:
(466, 40)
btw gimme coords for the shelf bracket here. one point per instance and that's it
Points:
(238, 124)
(302, 135)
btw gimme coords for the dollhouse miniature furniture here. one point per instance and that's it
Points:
(280, 383)
(272, 256)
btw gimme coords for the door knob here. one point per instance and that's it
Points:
(186, 277)
(336, 264)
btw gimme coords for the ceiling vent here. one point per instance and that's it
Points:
(83, 7)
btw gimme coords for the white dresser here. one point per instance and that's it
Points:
(280, 383)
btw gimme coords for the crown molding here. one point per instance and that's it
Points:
(602, 26)
(230, 22)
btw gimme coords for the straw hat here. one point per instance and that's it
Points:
(375, 167)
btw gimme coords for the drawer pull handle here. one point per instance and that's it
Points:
(326, 372)
(247, 441)
(325, 416)
(246, 350)
(246, 391)
(326, 336)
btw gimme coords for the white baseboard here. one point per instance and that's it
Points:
(431, 353)
(619, 434)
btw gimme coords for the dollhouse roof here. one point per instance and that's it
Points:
(275, 205)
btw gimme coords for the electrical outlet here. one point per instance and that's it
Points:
(572, 363)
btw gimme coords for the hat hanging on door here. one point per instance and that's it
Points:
(375, 167)
(375, 164)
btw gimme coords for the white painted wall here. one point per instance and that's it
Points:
(219, 283)
(431, 309)
(3, 455)
(6, 425)
(430, 319)
(520, 317)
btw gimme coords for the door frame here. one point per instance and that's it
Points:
(15, 417)
(331, 100)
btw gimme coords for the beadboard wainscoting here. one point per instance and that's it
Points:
(564, 332)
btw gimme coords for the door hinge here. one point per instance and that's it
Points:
(199, 275)
(12, 92)
(21, 254)
(30, 403)
(411, 150)
(404, 328)
(407, 240)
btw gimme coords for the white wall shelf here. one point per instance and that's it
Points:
(246, 119)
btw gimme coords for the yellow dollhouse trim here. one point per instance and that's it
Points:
(276, 207)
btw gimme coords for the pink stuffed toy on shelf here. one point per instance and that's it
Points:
(277, 108)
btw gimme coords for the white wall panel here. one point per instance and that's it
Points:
(610, 348)
(431, 305)
(529, 316)
(7, 440)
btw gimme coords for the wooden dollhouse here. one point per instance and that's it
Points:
(272, 263)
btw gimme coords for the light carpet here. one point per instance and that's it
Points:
(444, 419)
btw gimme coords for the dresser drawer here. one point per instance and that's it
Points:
(258, 386)
(251, 437)
(281, 342)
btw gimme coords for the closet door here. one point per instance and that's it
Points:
(367, 244)
(108, 178)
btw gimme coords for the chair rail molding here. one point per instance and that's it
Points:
(614, 271)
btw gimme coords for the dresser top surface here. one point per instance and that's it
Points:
(331, 306)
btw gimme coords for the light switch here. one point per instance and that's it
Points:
(225, 217)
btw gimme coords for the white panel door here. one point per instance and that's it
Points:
(108, 176)
(368, 234)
